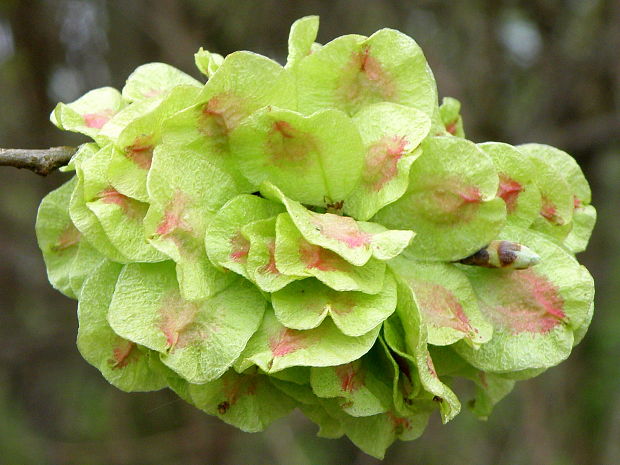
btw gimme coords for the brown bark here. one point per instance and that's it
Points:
(42, 161)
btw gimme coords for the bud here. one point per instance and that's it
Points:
(503, 254)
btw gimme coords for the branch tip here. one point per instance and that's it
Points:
(40, 161)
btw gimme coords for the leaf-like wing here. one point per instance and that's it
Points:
(353, 71)
(198, 340)
(450, 204)
(122, 362)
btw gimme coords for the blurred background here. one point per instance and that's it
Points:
(525, 71)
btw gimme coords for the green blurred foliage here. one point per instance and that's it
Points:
(541, 70)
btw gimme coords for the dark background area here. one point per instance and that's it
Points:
(525, 71)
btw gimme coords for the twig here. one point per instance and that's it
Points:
(42, 162)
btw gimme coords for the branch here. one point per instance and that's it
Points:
(42, 162)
